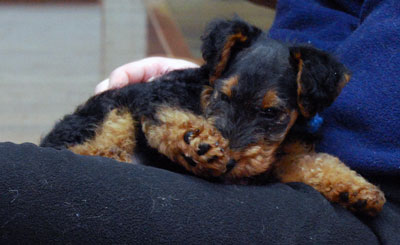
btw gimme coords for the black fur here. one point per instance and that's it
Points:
(320, 78)
(178, 88)
(260, 63)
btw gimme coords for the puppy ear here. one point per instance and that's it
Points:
(320, 79)
(222, 40)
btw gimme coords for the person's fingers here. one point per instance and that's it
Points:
(134, 72)
(103, 86)
(142, 71)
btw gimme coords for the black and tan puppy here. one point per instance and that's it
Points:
(243, 113)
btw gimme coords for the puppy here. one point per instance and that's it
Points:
(244, 113)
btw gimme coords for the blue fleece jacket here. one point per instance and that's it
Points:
(362, 127)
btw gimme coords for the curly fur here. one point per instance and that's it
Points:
(244, 113)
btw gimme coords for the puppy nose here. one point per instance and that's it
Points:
(231, 164)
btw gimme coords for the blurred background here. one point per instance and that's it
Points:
(54, 52)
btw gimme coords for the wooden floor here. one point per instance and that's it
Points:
(53, 55)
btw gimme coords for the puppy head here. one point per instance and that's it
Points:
(259, 87)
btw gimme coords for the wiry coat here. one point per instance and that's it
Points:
(242, 114)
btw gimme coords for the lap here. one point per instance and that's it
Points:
(49, 195)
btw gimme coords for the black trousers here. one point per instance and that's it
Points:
(50, 196)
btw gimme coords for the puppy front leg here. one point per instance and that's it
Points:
(188, 139)
(114, 137)
(333, 179)
(102, 126)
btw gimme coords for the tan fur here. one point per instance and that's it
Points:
(205, 96)
(258, 158)
(332, 178)
(253, 160)
(115, 138)
(229, 84)
(343, 82)
(303, 111)
(226, 52)
(270, 99)
(168, 138)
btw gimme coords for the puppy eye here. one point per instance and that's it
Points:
(224, 97)
(270, 112)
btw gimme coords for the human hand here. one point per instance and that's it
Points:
(142, 71)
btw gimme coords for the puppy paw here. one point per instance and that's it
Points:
(333, 179)
(206, 152)
(368, 200)
(190, 140)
